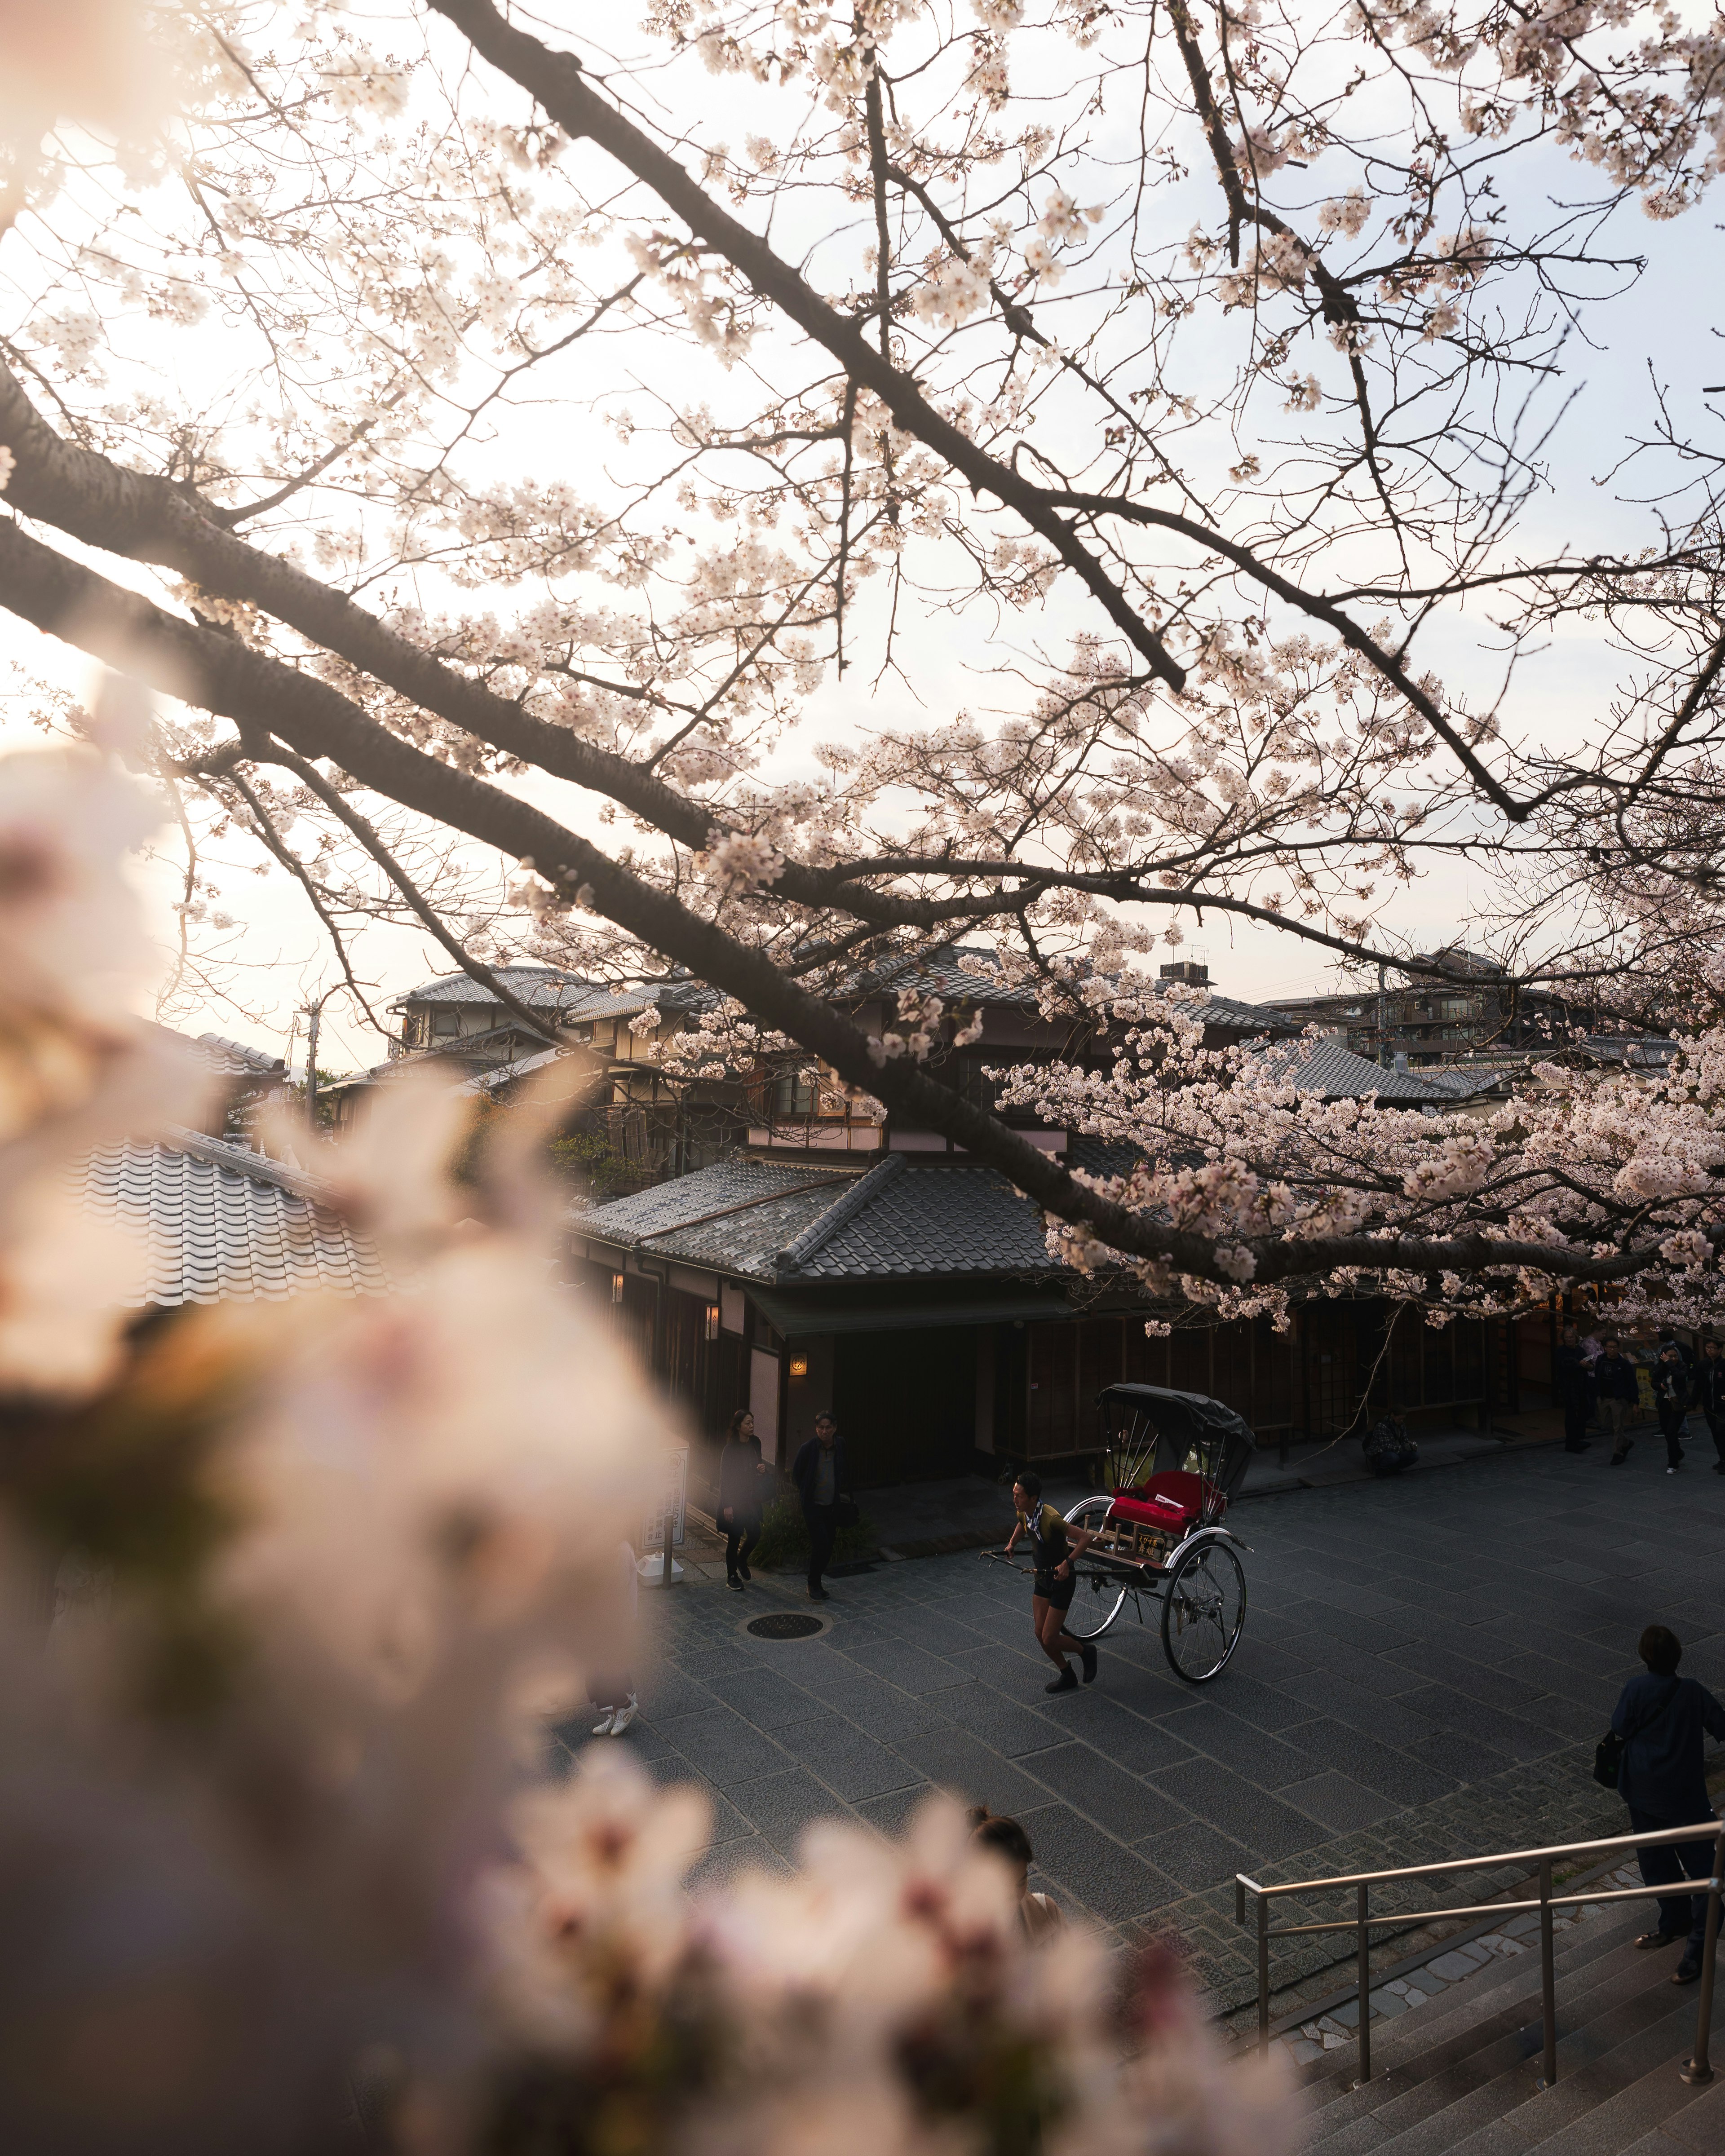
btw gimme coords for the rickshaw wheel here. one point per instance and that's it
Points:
(1095, 1606)
(1203, 1612)
(1099, 1600)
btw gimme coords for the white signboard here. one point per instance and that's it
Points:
(669, 1503)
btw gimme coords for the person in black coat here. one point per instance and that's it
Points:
(743, 1483)
(819, 1472)
(1614, 1377)
(1573, 1385)
(1671, 1396)
(1710, 1396)
(1665, 1720)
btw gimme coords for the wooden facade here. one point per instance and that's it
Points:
(921, 1402)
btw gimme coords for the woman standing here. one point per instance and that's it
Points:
(742, 1490)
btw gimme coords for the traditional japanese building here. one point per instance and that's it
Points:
(915, 1296)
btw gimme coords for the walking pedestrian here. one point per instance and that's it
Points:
(1710, 1396)
(1668, 1338)
(1039, 1914)
(1664, 1720)
(742, 1484)
(1573, 1385)
(1671, 1396)
(819, 1472)
(1615, 1376)
(1053, 1545)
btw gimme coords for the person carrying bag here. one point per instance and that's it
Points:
(1653, 1756)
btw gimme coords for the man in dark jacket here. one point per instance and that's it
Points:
(1615, 1376)
(819, 1472)
(1664, 1720)
(1575, 1389)
(1710, 1396)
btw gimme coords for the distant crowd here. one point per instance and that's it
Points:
(1599, 1376)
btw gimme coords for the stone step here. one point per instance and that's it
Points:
(1439, 2097)
(1629, 2040)
(1463, 2072)
(1470, 2015)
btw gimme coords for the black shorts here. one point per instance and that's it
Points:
(1057, 1592)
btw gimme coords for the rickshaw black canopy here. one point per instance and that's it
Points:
(1184, 1422)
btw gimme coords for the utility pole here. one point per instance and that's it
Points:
(1383, 1020)
(312, 1025)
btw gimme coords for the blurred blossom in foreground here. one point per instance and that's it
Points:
(885, 1997)
(75, 1071)
(286, 1592)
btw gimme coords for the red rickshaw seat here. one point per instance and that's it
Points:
(1173, 1501)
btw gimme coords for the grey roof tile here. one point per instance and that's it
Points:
(737, 1215)
(223, 1224)
(929, 1221)
(224, 1057)
(533, 985)
(1331, 1070)
(569, 995)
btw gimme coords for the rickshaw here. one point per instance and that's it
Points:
(1173, 1462)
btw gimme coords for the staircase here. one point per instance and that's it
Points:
(1460, 2074)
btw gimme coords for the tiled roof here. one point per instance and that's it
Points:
(924, 1221)
(1228, 1014)
(532, 984)
(488, 1081)
(233, 1058)
(221, 1225)
(222, 1058)
(737, 1215)
(1331, 1070)
(1103, 1156)
(897, 1220)
(938, 972)
(675, 998)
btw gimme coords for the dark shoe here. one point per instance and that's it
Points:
(1065, 1681)
(1686, 1971)
(732, 1580)
(1617, 1458)
(1087, 1654)
(1660, 1938)
(745, 1571)
(817, 1595)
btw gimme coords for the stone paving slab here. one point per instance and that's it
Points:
(1426, 1666)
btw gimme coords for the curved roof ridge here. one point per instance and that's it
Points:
(842, 1209)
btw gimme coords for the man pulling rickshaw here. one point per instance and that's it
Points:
(1174, 1460)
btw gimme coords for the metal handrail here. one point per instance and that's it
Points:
(1698, 2069)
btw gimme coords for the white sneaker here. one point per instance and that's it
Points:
(603, 1728)
(624, 1715)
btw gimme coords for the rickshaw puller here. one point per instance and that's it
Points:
(1053, 1545)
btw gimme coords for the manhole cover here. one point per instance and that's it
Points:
(783, 1625)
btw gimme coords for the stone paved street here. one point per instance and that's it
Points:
(1425, 1669)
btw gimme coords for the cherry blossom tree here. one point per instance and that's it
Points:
(541, 435)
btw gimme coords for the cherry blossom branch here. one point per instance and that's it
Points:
(558, 81)
(224, 676)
